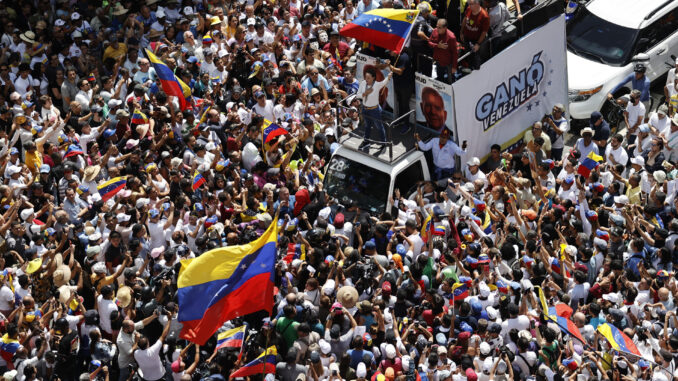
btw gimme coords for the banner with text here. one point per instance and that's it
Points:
(387, 94)
(434, 104)
(512, 90)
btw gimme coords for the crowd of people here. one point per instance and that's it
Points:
(109, 183)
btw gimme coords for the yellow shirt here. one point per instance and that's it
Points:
(110, 52)
(34, 161)
(633, 194)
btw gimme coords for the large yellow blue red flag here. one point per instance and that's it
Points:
(618, 339)
(171, 85)
(425, 232)
(226, 283)
(387, 28)
(265, 363)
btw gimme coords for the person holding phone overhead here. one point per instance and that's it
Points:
(444, 150)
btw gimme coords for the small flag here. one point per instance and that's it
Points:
(198, 180)
(265, 363)
(591, 162)
(139, 117)
(233, 338)
(426, 229)
(295, 251)
(459, 291)
(272, 131)
(73, 150)
(111, 187)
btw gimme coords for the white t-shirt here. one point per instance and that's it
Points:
(150, 365)
(6, 297)
(634, 113)
(417, 244)
(267, 111)
(157, 232)
(105, 308)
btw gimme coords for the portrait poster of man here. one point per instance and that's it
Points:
(434, 104)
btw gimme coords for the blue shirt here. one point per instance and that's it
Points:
(308, 84)
(633, 263)
(642, 84)
(357, 356)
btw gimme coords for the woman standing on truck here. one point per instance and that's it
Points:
(369, 93)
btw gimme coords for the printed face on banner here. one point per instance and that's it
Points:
(434, 104)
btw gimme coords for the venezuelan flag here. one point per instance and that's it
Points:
(170, 83)
(459, 291)
(139, 117)
(591, 162)
(272, 131)
(295, 251)
(198, 180)
(8, 348)
(233, 338)
(73, 150)
(502, 286)
(426, 229)
(225, 283)
(560, 314)
(111, 187)
(387, 28)
(265, 363)
(618, 340)
(91, 77)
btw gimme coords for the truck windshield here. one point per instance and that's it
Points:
(361, 183)
(599, 40)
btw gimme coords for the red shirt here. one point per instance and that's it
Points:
(444, 57)
(476, 25)
(342, 47)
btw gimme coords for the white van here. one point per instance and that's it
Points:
(606, 37)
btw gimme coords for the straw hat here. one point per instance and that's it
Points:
(91, 172)
(28, 36)
(142, 129)
(33, 265)
(62, 274)
(65, 293)
(347, 296)
(124, 296)
(118, 10)
(154, 33)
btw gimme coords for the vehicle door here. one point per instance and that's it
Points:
(659, 40)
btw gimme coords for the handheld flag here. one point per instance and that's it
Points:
(233, 338)
(171, 85)
(426, 229)
(591, 162)
(111, 187)
(73, 150)
(272, 131)
(387, 28)
(198, 180)
(265, 363)
(225, 283)
(295, 251)
(8, 348)
(139, 117)
(560, 314)
(459, 291)
(618, 340)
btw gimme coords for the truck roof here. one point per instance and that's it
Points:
(401, 144)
